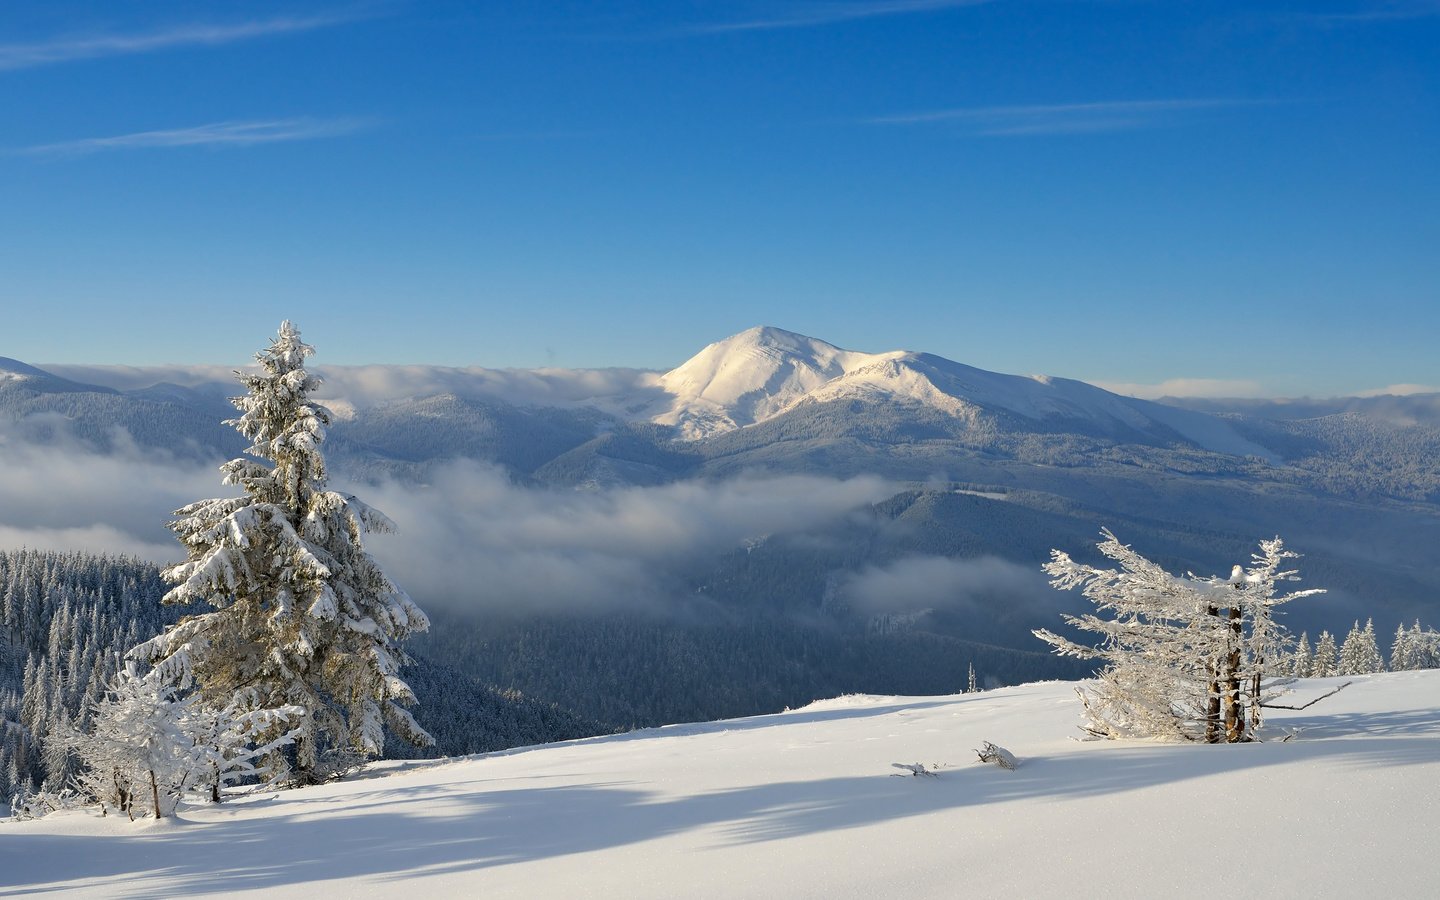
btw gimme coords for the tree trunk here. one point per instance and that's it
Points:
(1255, 714)
(1234, 710)
(155, 793)
(1212, 700)
(127, 801)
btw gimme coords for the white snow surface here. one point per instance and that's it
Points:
(804, 804)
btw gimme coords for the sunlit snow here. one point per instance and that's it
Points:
(809, 803)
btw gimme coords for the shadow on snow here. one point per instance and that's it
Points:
(397, 832)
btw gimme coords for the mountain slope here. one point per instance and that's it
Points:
(750, 377)
(14, 373)
(763, 373)
(805, 804)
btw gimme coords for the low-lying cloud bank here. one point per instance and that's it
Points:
(469, 538)
(367, 385)
(919, 583)
(65, 495)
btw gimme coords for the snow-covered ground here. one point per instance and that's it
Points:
(804, 804)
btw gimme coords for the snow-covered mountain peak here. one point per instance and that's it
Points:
(764, 372)
(751, 376)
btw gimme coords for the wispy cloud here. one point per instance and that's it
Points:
(1061, 118)
(215, 134)
(95, 46)
(916, 583)
(1370, 14)
(813, 15)
(1400, 390)
(1187, 387)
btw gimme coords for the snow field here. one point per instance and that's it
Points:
(804, 804)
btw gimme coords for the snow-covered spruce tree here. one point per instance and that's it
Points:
(1303, 658)
(1326, 660)
(1359, 654)
(1424, 648)
(1184, 657)
(1414, 649)
(302, 615)
(1401, 653)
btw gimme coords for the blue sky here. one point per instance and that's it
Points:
(1125, 192)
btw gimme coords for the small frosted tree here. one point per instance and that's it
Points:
(1265, 645)
(1184, 657)
(148, 746)
(1303, 657)
(300, 613)
(1155, 643)
(1326, 661)
(229, 742)
(138, 758)
(1400, 650)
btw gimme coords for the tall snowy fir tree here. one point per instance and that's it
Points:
(301, 614)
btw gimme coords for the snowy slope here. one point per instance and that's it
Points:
(750, 377)
(15, 372)
(803, 804)
(762, 373)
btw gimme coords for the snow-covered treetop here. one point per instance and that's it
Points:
(284, 425)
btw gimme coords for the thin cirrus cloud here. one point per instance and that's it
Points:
(1061, 118)
(1400, 390)
(74, 49)
(812, 15)
(214, 134)
(1376, 13)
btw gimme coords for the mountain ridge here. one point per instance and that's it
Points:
(765, 372)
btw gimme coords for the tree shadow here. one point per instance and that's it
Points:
(1388, 723)
(396, 832)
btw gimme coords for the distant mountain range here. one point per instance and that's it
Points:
(984, 467)
(764, 374)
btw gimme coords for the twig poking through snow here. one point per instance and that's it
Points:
(993, 753)
(1312, 702)
(916, 769)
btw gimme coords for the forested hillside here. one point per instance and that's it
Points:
(65, 620)
(68, 619)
